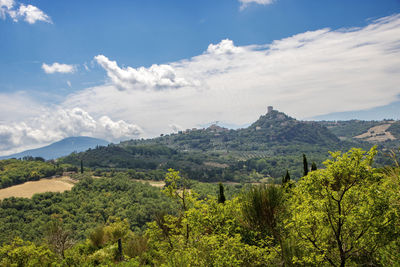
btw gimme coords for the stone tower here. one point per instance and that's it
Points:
(270, 108)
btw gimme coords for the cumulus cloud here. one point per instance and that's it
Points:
(58, 67)
(245, 3)
(29, 13)
(157, 76)
(117, 129)
(53, 125)
(225, 47)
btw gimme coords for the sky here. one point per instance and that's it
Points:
(119, 70)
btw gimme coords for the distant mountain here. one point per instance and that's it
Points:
(61, 148)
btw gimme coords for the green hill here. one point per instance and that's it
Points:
(269, 146)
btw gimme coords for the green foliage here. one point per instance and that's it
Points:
(25, 253)
(264, 210)
(14, 171)
(214, 240)
(176, 187)
(314, 166)
(349, 129)
(394, 129)
(346, 214)
(263, 207)
(57, 237)
(90, 202)
(337, 211)
(135, 246)
(205, 190)
(286, 178)
(97, 237)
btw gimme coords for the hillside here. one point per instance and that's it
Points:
(61, 148)
(385, 133)
(264, 150)
(269, 146)
(272, 129)
(277, 128)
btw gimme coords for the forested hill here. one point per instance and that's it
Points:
(277, 127)
(267, 148)
(270, 130)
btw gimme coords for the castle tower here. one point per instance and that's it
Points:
(270, 108)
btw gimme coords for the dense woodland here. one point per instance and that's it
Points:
(13, 171)
(344, 214)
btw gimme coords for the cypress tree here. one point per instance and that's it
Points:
(305, 165)
(286, 178)
(313, 166)
(120, 256)
(81, 166)
(221, 196)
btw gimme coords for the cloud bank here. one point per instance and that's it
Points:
(29, 13)
(56, 124)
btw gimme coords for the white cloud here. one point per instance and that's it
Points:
(245, 3)
(69, 83)
(225, 47)
(16, 106)
(55, 124)
(29, 13)
(156, 77)
(7, 4)
(58, 67)
(6, 7)
(117, 129)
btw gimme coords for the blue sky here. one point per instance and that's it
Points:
(223, 60)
